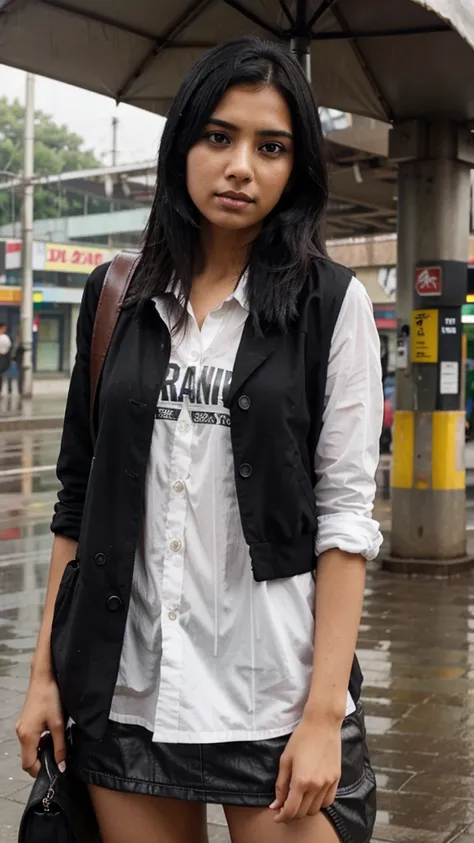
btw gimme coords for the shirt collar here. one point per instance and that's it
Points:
(239, 294)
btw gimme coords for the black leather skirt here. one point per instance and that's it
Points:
(239, 773)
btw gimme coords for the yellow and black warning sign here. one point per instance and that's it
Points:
(424, 336)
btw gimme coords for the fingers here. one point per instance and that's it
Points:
(282, 783)
(305, 799)
(59, 740)
(29, 751)
(330, 796)
(291, 806)
(309, 799)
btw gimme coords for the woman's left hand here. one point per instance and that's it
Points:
(310, 770)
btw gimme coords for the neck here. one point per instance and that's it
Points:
(225, 253)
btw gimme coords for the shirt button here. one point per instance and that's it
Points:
(245, 470)
(175, 545)
(183, 427)
(172, 616)
(194, 356)
(244, 402)
(100, 559)
(178, 486)
(114, 603)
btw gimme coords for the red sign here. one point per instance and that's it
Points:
(428, 280)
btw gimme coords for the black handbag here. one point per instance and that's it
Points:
(59, 809)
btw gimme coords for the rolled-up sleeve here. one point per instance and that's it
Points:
(76, 451)
(347, 453)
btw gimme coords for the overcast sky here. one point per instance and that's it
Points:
(90, 115)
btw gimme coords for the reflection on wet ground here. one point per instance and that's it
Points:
(416, 647)
(12, 406)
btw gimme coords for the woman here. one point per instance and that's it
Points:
(196, 653)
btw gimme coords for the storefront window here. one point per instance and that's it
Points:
(49, 349)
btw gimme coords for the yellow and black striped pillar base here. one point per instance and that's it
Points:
(428, 493)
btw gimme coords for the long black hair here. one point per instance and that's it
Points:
(282, 254)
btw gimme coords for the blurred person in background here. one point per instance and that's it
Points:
(5, 353)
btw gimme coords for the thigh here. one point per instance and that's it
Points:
(123, 817)
(254, 825)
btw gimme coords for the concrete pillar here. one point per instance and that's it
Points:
(428, 477)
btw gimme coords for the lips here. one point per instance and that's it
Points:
(232, 199)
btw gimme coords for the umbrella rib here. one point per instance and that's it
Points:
(341, 20)
(251, 16)
(325, 5)
(287, 12)
(380, 33)
(96, 18)
(6, 4)
(191, 13)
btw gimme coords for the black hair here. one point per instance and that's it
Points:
(282, 254)
(3, 325)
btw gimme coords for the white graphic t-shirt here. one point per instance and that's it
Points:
(210, 655)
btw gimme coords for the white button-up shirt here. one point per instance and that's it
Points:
(209, 655)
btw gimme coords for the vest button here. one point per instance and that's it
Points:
(114, 603)
(245, 470)
(100, 559)
(244, 402)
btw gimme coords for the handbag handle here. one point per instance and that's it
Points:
(112, 297)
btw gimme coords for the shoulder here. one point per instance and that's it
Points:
(357, 296)
(92, 291)
(328, 273)
(340, 287)
(329, 282)
(356, 315)
(95, 281)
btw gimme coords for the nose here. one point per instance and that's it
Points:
(239, 165)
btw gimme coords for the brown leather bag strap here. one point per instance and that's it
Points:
(114, 290)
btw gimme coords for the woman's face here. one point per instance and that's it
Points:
(239, 168)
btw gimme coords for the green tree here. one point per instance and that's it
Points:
(57, 150)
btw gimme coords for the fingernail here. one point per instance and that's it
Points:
(62, 766)
(273, 805)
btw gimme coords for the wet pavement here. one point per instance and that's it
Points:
(416, 647)
(44, 411)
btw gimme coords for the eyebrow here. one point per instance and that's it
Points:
(265, 133)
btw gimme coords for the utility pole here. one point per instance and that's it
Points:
(27, 237)
(114, 140)
(114, 164)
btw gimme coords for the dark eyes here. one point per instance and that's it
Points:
(270, 148)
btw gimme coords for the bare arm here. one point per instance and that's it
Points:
(339, 599)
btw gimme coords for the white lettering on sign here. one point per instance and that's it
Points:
(449, 326)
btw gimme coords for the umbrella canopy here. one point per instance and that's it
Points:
(386, 59)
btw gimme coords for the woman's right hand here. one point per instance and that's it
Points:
(41, 712)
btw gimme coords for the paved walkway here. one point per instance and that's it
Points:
(416, 648)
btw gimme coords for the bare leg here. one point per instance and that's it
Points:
(123, 817)
(254, 825)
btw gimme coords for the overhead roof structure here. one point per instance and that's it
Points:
(385, 59)
(389, 60)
